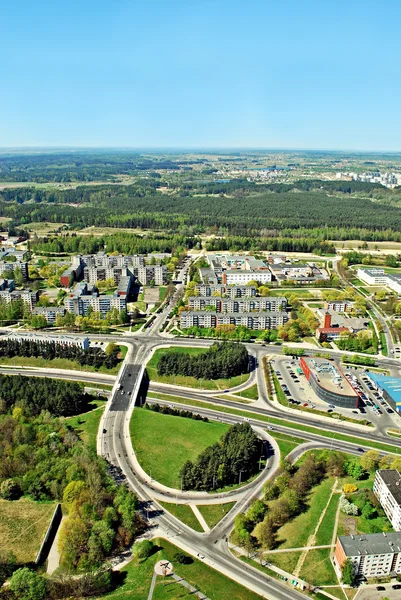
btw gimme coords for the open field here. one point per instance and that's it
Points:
(206, 384)
(42, 228)
(23, 524)
(213, 513)
(213, 584)
(317, 568)
(295, 533)
(184, 513)
(87, 424)
(283, 560)
(163, 443)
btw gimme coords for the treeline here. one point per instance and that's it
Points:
(34, 394)
(50, 350)
(68, 166)
(219, 361)
(274, 244)
(235, 456)
(284, 498)
(175, 412)
(139, 206)
(124, 243)
(42, 458)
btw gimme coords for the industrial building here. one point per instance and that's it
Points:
(372, 555)
(63, 340)
(329, 383)
(389, 387)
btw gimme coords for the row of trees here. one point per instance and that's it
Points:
(175, 412)
(232, 459)
(219, 361)
(95, 357)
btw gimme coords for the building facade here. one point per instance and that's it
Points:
(372, 555)
(387, 489)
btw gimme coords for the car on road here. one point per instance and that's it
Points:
(380, 588)
(305, 404)
(397, 586)
(269, 427)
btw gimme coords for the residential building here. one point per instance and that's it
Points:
(342, 306)
(371, 555)
(239, 277)
(49, 312)
(156, 273)
(256, 320)
(27, 296)
(229, 291)
(387, 489)
(10, 266)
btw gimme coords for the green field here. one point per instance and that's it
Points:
(251, 392)
(206, 384)
(317, 568)
(295, 533)
(284, 560)
(184, 513)
(213, 513)
(163, 443)
(275, 421)
(325, 532)
(286, 443)
(87, 424)
(23, 524)
(138, 576)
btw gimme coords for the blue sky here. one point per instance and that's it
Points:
(201, 73)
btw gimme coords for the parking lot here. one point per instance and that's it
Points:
(298, 392)
(374, 593)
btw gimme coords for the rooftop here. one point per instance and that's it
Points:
(329, 376)
(374, 543)
(392, 385)
(392, 479)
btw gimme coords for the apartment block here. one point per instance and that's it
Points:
(372, 555)
(261, 320)
(387, 489)
(49, 313)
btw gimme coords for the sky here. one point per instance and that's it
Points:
(201, 74)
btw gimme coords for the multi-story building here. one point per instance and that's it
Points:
(10, 266)
(156, 273)
(372, 555)
(380, 277)
(240, 277)
(329, 383)
(387, 489)
(85, 295)
(27, 296)
(339, 305)
(230, 291)
(257, 320)
(201, 302)
(49, 312)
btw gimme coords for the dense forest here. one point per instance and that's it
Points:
(42, 458)
(322, 210)
(219, 361)
(237, 453)
(34, 394)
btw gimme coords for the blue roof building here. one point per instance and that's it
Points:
(390, 388)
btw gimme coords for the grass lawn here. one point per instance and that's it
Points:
(295, 533)
(56, 363)
(325, 532)
(284, 560)
(87, 424)
(184, 513)
(317, 568)
(23, 524)
(162, 292)
(163, 442)
(206, 384)
(213, 513)
(251, 392)
(208, 581)
(286, 443)
(296, 426)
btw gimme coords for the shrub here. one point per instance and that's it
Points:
(349, 488)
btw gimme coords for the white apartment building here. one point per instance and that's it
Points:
(387, 489)
(239, 277)
(373, 555)
(380, 277)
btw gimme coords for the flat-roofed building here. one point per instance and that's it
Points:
(63, 340)
(389, 387)
(49, 312)
(372, 555)
(329, 383)
(387, 489)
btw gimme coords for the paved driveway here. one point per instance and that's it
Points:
(370, 593)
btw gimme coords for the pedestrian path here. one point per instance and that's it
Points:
(152, 585)
(200, 517)
(189, 587)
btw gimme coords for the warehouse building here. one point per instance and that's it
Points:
(329, 383)
(389, 387)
